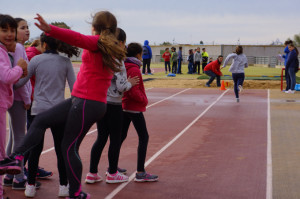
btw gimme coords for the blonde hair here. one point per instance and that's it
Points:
(105, 25)
(35, 43)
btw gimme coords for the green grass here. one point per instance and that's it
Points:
(252, 73)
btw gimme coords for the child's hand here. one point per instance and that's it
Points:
(23, 64)
(27, 106)
(44, 26)
(134, 81)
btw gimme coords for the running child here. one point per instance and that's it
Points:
(111, 126)
(166, 56)
(239, 63)
(100, 58)
(8, 76)
(134, 104)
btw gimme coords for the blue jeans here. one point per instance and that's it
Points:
(212, 77)
(190, 67)
(292, 78)
(238, 79)
(179, 66)
(167, 63)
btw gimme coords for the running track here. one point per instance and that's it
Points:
(202, 145)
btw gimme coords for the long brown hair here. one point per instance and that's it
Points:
(105, 25)
(239, 50)
(291, 44)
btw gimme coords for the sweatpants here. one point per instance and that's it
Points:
(238, 79)
(78, 115)
(139, 124)
(110, 125)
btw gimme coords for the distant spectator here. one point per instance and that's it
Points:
(197, 59)
(210, 60)
(191, 61)
(174, 57)
(147, 56)
(179, 60)
(213, 70)
(286, 51)
(292, 66)
(204, 58)
(166, 56)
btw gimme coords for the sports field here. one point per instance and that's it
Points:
(202, 145)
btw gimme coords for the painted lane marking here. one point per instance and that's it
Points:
(121, 186)
(269, 191)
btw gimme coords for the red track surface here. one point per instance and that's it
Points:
(220, 155)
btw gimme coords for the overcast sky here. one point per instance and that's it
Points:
(184, 22)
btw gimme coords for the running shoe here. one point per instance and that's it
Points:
(19, 185)
(63, 191)
(116, 178)
(92, 178)
(82, 195)
(145, 177)
(240, 88)
(42, 173)
(10, 166)
(237, 100)
(7, 181)
(30, 190)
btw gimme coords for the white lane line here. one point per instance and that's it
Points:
(90, 132)
(269, 191)
(121, 186)
(168, 98)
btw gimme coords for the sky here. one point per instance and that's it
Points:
(175, 21)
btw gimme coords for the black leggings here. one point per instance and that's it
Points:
(110, 125)
(139, 123)
(78, 115)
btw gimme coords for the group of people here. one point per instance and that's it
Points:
(108, 91)
(174, 58)
(291, 63)
(194, 60)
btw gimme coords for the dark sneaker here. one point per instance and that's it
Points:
(19, 185)
(207, 85)
(145, 177)
(42, 173)
(10, 166)
(8, 182)
(82, 195)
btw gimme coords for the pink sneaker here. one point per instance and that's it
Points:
(116, 178)
(92, 178)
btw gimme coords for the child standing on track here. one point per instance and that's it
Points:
(237, 67)
(21, 103)
(166, 56)
(111, 125)
(174, 58)
(51, 71)
(100, 58)
(8, 76)
(134, 104)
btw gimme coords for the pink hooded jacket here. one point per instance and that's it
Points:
(8, 77)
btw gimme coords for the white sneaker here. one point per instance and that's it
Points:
(292, 91)
(63, 191)
(30, 191)
(288, 91)
(240, 88)
(116, 178)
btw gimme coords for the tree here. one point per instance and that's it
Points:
(201, 42)
(61, 25)
(297, 39)
(166, 43)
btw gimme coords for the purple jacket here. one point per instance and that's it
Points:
(22, 94)
(8, 77)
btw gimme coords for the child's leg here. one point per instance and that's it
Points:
(139, 123)
(17, 123)
(2, 141)
(100, 143)
(166, 66)
(235, 84)
(82, 115)
(241, 78)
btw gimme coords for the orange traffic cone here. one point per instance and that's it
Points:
(222, 86)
